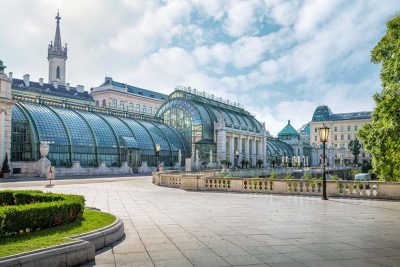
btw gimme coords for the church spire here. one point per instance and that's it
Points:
(57, 37)
(57, 56)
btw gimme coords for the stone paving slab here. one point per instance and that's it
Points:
(171, 227)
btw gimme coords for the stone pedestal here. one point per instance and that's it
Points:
(41, 166)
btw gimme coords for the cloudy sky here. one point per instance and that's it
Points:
(278, 58)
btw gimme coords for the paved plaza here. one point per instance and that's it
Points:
(172, 227)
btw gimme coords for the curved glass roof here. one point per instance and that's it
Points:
(204, 112)
(94, 134)
(278, 148)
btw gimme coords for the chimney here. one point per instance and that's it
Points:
(41, 81)
(26, 79)
(10, 75)
(80, 88)
(67, 86)
(55, 84)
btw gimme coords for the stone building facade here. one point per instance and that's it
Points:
(127, 97)
(5, 114)
(343, 129)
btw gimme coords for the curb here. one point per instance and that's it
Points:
(71, 254)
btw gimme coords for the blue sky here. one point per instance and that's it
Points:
(279, 59)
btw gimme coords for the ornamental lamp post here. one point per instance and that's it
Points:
(323, 137)
(158, 148)
(237, 158)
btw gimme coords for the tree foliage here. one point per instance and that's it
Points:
(355, 148)
(381, 137)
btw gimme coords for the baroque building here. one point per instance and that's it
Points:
(127, 97)
(343, 129)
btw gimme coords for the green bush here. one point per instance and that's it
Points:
(273, 176)
(26, 211)
(307, 176)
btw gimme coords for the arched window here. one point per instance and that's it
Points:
(58, 73)
(144, 109)
(137, 107)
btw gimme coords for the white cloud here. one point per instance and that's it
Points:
(156, 28)
(308, 53)
(242, 18)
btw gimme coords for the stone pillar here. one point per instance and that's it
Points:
(240, 149)
(5, 114)
(179, 158)
(232, 150)
(247, 153)
(254, 151)
(221, 145)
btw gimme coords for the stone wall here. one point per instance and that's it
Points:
(353, 189)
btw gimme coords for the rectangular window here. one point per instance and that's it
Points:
(335, 137)
(349, 128)
(115, 103)
(335, 129)
(315, 138)
(130, 106)
(97, 103)
(355, 128)
(137, 107)
(104, 103)
(341, 128)
(349, 137)
(150, 110)
(144, 109)
(315, 129)
(342, 137)
(121, 104)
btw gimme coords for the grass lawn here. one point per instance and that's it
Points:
(92, 220)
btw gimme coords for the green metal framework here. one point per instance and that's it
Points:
(194, 117)
(90, 137)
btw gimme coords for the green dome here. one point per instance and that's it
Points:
(288, 130)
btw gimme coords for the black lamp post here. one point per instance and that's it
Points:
(323, 137)
(237, 158)
(158, 148)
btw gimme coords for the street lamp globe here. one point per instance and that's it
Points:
(324, 133)
(158, 147)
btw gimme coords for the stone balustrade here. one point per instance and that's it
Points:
(202, 181)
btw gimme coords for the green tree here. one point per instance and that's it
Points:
(5, 168)
(355, 148)
(259, 163)
(381, 137)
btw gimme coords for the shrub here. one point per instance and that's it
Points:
(5, 168)
(333, 177)
(289, 176)
(273, 176)
(25, 211)
(307, 176)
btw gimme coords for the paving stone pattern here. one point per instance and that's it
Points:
(171, 227)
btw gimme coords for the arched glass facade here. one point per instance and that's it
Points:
(277, 148)
(194, 117)
(89, 137)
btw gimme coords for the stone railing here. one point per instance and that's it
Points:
(357, 189)
(170, 180)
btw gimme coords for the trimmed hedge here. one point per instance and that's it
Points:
(26, 211)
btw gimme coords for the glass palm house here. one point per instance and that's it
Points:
(195, 115)
(80, 133)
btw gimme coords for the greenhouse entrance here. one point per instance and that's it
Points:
(133, 158)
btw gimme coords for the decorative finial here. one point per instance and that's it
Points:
(58, 16)
(288, 122)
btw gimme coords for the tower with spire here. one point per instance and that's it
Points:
(57, 56)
